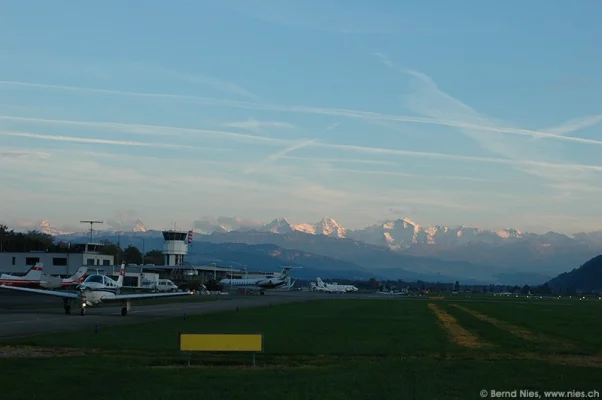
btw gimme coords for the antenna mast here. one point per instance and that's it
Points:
(91, 222)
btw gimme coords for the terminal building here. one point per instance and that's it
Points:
(63, 264)
(174, 250)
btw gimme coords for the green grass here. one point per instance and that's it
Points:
(324, 349)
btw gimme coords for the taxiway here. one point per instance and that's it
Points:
(18, 321)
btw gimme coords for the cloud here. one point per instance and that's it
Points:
(317, 111)
(254, 125)
(279, 154)
(169, 130)
(209, 224)
(219, 84)
(122, 220)
(428, 100)
(73, 139)
(575, 125)
(23, 153)
(332, 126)
(149, 129)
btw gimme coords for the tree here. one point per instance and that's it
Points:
(11, 241)
(373, 284)
(457, 286)
(153, 257)
(132, 255)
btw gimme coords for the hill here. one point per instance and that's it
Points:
(587, 278)
(377, 259)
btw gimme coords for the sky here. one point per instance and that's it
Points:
(487, 114)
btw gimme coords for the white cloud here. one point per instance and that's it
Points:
(150, 129)
(485, 127)
(254, 125)
(429, 100)
(279, 154)
(73, 139)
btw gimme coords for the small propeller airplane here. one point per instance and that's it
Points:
(36, 278)
(96, 290)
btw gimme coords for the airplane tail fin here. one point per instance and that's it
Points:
(285, 272)
(35, 272)
(121, 274)
(320, 282)
(78, 277)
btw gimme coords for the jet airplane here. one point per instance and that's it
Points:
(258, 284)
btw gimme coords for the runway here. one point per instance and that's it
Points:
(16, 321)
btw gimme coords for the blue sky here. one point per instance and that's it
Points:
(487, 114)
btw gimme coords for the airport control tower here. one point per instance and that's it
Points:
(175, 247)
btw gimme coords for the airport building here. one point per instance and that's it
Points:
(64, 263)
(174, 250)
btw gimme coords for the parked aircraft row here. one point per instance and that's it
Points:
(96, 290)
(36, 278)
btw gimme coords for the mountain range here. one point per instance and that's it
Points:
(396, 249)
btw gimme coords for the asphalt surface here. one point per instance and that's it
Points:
(17, 321)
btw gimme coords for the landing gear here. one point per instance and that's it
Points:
(67, 306)
(82, 311)
(262, 293)
(126, 307)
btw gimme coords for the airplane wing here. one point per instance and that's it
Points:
(56, 293)
(123, 297)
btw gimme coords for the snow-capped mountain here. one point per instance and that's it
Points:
(139, 227)
(400, 234)
(327, 226)
(47, 228)
(396, 234)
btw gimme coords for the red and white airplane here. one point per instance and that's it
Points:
(96, 290)
(36, 278)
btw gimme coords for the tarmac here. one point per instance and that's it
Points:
(18, 318)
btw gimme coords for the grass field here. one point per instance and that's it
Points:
(325, 349)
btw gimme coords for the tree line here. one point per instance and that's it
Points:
(33, 240)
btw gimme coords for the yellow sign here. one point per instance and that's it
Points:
(221, 342)
(436, 297)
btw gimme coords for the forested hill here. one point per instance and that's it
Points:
(586, 278)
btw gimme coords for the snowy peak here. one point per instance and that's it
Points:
(139, 226)
(47, 228)
(327, 226)
(279, 225)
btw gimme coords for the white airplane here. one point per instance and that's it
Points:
(322, 287)
(346, 288)
(32, 277)
(326, 287)
(258, 284)
(96, 290)
(52, 282)
(36, 278)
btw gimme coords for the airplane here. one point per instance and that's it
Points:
(258, 284)
(322, 287)
(96, 290)
(289, 285)
(52, 282)
(32, 277)
(346, 288)
(36, 278)
(328, 287)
